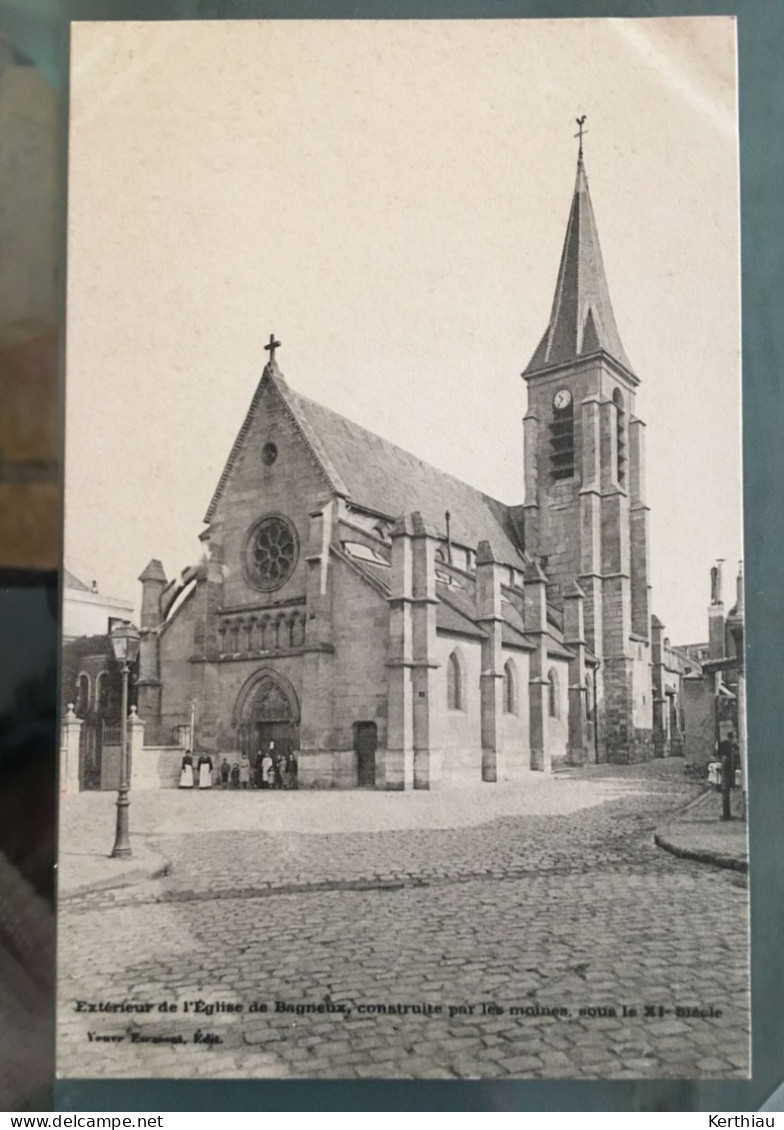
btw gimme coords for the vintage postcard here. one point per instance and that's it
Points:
(403, 686)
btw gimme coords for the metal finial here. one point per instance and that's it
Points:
(580, 131)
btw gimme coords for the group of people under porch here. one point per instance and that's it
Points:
(264, 770)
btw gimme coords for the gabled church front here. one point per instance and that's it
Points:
(396, 628)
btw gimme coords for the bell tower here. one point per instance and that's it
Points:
(585, 514)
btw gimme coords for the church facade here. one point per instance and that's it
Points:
(396, 628)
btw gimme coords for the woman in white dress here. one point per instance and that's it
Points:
(205, 771)
(266, 771)
(244, 771)
(186, 775)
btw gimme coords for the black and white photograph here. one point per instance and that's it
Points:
(402, 695)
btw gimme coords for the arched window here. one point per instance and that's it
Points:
(454, 683)
(102, 692)
(510, 688)
(621, 434)
(552, 693)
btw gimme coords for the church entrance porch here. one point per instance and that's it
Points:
(268, 730)
(279, 741)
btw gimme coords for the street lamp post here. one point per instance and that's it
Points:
(125, 645)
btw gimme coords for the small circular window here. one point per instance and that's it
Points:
(271, 552)
(269, 453)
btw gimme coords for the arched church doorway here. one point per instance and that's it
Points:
(268, 723)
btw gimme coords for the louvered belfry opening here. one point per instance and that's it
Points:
(562, 443)
(621, 436)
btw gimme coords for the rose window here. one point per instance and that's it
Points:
(271, 552)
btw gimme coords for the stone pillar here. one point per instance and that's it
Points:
(70, 737)
(136, 749)
(591, 524)
(638, 519)
(491, 680)
(531, 471)
(608, 424)
(214, 728)
(538, 685)
(148, 687)
(577, 752)
(426, 700)
(399, 763)
(315, 769)
(153, 581)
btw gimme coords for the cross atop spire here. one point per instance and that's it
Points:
(580, 131)
(271, 346)
(581, 319)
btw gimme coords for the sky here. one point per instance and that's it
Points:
(390, 199)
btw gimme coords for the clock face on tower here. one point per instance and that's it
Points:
(562, 399)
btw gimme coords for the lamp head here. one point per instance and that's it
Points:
(125, 643)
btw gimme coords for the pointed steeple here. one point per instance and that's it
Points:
(582, 319)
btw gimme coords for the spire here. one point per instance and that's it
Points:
(582, 319)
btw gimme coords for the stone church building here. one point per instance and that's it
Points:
(398, 628)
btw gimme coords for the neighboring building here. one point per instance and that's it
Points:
(398, 628)
(670, 665)
(91, 691)
(86, 612)
(711, 696)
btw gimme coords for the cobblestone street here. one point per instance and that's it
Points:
(475, 935)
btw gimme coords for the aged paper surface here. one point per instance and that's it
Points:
(420, 760)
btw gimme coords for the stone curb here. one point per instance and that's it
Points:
(701, 855)
(154, 869)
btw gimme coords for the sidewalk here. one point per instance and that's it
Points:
(698, 832)
(86, 837)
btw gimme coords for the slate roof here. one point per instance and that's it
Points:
(456, 612)
(582, 319)
(451, 619)
(380, 476)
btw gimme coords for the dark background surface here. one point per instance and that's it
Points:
(38, 30)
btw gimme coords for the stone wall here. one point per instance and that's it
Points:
(361, 637)
(158, 767)
(461, 746)
(515, 727)
(291, 486)
(558, 727)
(175, 646)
